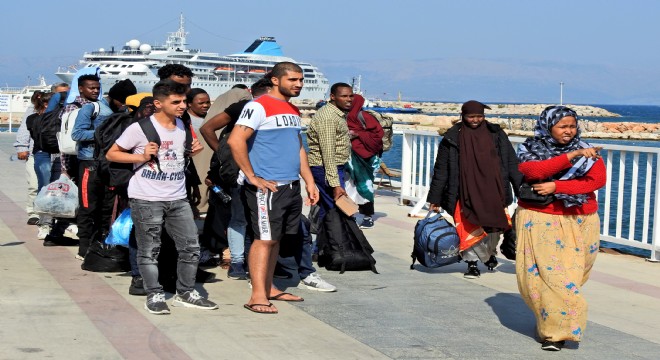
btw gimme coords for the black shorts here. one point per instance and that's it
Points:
(273, 214)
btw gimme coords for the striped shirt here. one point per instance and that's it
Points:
(328, 141)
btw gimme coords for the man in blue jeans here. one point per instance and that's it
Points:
(47, 166)
(157, 193)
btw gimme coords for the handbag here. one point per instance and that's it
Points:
(527, 194)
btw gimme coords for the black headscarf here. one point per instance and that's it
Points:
(481, 192)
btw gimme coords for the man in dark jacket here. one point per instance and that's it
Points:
(473, 174)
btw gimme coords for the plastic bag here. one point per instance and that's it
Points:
(120, 231)
(58, 199)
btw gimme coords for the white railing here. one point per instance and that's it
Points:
(628, 207)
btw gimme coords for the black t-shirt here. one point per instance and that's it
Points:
(234, 111)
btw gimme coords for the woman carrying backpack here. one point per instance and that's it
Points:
(472, 177)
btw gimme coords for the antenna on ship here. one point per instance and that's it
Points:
(561, 93)
(355, 83)
(177, 40)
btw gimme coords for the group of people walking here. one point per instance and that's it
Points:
(476, 176)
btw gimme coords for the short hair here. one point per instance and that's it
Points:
(58, 85)
(167, 87)
(261, 87)
(240, 86)
(194, 92)
(281, 68)
(174, 69)
(336, 86)
(83, 78)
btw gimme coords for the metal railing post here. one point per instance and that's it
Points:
(655, 241)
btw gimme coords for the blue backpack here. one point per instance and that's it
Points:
(436, 242)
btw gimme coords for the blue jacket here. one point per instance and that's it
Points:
(83, 129)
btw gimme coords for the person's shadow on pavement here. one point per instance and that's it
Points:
(513, 313)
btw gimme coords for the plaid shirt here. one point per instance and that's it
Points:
(65, 159)
(328, 141)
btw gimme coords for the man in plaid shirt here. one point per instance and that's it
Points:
(329, 145)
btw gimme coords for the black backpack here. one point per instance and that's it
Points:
(223, 167)
(342, 245)
(47, 125)
(119, 174)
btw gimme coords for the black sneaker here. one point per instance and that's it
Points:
(194, 300)
(472, 271)
(236, 271)
(367, 223)
(552, 345)
(137, 286)
(33, 221)
(491, 263)
(156, 304)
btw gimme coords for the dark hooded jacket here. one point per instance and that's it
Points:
(445, 182)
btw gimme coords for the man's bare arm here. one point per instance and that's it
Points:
(121, 155)
(210, 127)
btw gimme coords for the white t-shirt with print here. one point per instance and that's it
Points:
(148, 183)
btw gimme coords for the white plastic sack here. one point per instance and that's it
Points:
(58, 199)
(352, 192)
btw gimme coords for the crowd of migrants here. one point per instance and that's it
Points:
(171, 157)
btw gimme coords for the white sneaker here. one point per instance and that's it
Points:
(71, 231)
(44, 230)
(314, 282)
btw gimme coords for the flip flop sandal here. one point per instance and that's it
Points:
(251, 308)
(278, 296)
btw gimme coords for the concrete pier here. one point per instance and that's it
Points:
(53, 309)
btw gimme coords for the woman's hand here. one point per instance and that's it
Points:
(434, 207)
(588, 153)
(546, 188)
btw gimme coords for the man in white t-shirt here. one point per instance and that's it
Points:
(158, 197)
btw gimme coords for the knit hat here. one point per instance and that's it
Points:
(473, 107)
(121, 90)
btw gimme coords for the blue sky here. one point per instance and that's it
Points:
(605, 52)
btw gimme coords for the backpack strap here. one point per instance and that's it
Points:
(361, 118)
(152, 136)
(97, 109)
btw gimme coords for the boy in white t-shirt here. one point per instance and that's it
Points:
(158, 197)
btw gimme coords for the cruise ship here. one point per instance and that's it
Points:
(213, 72)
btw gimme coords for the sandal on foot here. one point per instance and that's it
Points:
(278, 297)
(251, 307)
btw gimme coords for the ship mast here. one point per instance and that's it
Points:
(177, 40)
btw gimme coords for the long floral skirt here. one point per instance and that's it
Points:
(554, 255)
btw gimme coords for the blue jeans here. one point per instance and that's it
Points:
(47, 170)
(236, 228)
(149, 217)
(304, 258)
(326, 192)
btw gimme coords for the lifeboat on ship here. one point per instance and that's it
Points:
(222, 69)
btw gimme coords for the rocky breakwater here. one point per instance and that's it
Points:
(516, 119)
